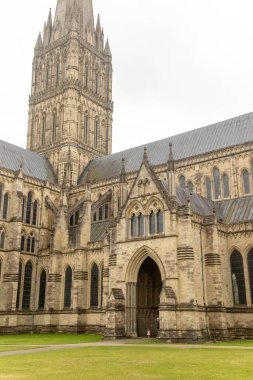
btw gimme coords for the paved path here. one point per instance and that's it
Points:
(118, 343)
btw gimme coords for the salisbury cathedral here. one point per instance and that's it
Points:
(157, 238)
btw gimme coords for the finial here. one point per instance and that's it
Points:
(145, 155)
(171, 162)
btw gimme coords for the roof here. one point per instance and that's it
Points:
(34, 165)
(232, 132)
(98, 231)
(234, 211)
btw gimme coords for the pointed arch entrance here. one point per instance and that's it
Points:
(144, 278)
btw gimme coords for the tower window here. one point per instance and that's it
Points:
(43, 132)
(96, 132)
(97, 83)
(85, 127)
(54, 126)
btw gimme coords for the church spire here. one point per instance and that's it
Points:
(79, 10)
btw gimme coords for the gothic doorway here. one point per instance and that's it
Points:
(148, 289)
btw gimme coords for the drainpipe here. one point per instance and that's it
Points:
(203, 285)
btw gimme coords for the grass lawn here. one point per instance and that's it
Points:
(128, 363)
(48, 339)
(240, 343)
(16, 348)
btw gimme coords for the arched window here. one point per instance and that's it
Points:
(159, 217)
(85, 127)
(190, 186)
(246, 182)
(250, 270)
(57, 74)
(1, 194)
(19, 285)
(42, 294)
(5, 206)
(54, 125)
(102, 286)
(226, 190)
(86, 76)
(35, 211)
(182, 182)
(2, 239)
(208, 188)
(94, 284)
(47, 77)
(27, 286)
(140, 225)
(28, 208)
(28, 249)
(217, 185)
(134, 225)
(22, 243)
(43, 130)
(152, 224)
(96, 83)
(238, 281)
(96, 132)
(0, 269)
(68, 288)
(32, 244)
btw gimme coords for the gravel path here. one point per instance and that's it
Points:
(119, 343)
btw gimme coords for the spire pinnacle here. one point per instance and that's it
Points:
(98, 27)
(107, 50)
(123, 171)
(171, 162)
(39, 44)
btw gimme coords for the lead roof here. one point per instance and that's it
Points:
(228, 133)
(33, 165)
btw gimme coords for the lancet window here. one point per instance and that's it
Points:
(137, 225)
(30, 210)
(156, 223)
(217, 183)
(102, 213)
(86, 127)
(190, 186)
(226, 187)
(246, 182)
(238, 280)
(27, 286)
(182, 181)
(2, 238)
(94, 286)
(42, 292)
(54, 126)
(19, 285)
(68, 288)
(208, 188)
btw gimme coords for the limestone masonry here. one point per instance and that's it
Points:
(157, 239)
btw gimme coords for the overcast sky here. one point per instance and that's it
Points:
(178, 64)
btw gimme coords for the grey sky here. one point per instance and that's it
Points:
(178, 64)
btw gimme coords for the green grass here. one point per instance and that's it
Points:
(128, 363)
(48, 339)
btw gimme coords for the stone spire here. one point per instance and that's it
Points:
(82, 13)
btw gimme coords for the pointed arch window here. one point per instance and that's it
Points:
(208, 188)
(190, 186)
(86, 76)
(54, 125)
(1, 194)
(238, 280)
(140, 225)
(28, 208)
(27, 286)
(68, 288)
(159, 217)
(22, 243)
(57, 74)
(94, 285)
(217, 184)
(47, 76)
(19, 285)
(152, 223)
(5, 205)
(42, 293)
(226, 187)
(0, 269)
(2, 239)
(96, 132)
(43, 132)
(85, 127)
(182, 181)
(134, 225)
(35, 211)
(96, 83)
(250, 270)
(246, 182)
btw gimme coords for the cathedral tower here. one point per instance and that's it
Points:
(70, 109)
